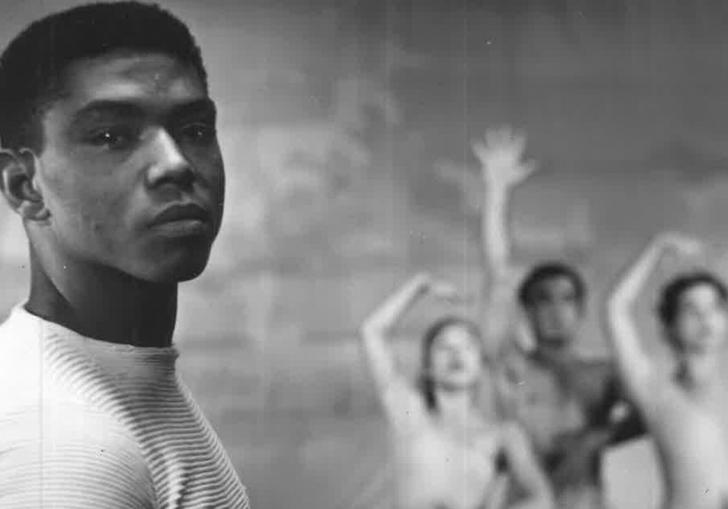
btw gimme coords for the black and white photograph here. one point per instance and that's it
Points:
(364, 254)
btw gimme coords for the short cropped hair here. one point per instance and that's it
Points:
(33, 65)
(669, 302)
(550, 270)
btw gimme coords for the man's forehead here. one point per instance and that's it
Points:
(560, 283)
(119, 76)
(700, 292)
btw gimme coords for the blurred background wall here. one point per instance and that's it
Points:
(346, 129)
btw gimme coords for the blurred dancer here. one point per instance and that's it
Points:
(685, 412)
(447, 453)
(110, 158)
(569, 406)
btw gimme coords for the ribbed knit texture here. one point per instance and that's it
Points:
(91, 424)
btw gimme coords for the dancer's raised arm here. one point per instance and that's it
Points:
(500, 154)
(377, 327)
(636, 370)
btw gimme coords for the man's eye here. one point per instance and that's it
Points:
(113, 137)
(199, 132)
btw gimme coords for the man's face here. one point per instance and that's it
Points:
(131, 170)
(554, 311)
(700, 324)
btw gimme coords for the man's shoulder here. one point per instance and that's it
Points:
(59, 421)
(33, 406)
(20, 363)
(69, 452)
(19, 333)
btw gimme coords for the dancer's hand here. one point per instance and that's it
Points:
(681, 244)
(438, 288)
(500, 154)
(444, 290)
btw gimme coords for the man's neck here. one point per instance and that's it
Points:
(102, 303)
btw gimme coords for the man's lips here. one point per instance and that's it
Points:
(182, 212)
(183, 219)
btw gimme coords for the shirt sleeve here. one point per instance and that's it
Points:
(89, 464)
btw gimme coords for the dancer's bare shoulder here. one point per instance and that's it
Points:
(404, 405)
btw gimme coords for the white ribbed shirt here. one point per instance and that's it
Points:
(90, 424)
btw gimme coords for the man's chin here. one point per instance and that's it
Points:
(175, 271)
(188, 274)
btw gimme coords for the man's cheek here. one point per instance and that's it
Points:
(218, 184)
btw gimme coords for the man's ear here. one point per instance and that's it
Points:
(17, 183)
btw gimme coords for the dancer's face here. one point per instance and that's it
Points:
(455, 358)
(555, 311)
(130, 170)
(701, 322)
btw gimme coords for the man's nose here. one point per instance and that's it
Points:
(168, 164)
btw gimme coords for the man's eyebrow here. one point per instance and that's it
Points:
(195, 107)
(130, 109)
(103, 108)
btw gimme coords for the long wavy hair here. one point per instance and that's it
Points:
(427, 385)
